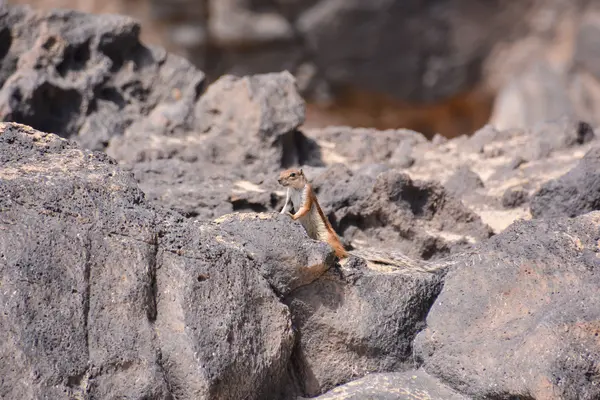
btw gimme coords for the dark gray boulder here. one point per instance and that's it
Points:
(514, 197)
(220, 327)
(77, 266)
(244, 130)
(88, 77)
(357, 320)
(103, 296)
(519, 317)
(575, 193)
(261, 236)
(251, 122)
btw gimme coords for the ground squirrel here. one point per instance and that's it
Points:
(307, 209)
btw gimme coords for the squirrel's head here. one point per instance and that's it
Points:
(293, 178)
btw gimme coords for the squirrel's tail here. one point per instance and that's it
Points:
(399, 260)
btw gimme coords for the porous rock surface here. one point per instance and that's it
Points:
(140, 272)
(349, 327)
(432, 66)
(100, 289)
(88, 77)
(207, 154)
(499, 160)
(388, 209)
(519, 318)
(243, 128)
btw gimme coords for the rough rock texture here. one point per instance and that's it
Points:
(391, 210)
(305, 261)
(575, 193)
(76, 255)
(254, 120)
(214, 175)
(215, 313)
(519, 319)
(365, 146)
(88, 77)
(100, 290)
(514, 197)
(104, 295)
(407, 385)
(348, 327)
(183, 147)
(514, 159)
(242, 129)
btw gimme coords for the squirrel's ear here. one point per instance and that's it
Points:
(301, 173)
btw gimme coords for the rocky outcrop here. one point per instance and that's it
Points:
(432, 67)
(499, 162)
(249, 123)
(88, 77)
(575, 193)
(182, 145)
(389, 209)
(134, 293)
(305, 261)
(230, 146)
(100, 289)
(348, 327)
(215, 313)
(519, 319)
(463, 182)
(166, 271)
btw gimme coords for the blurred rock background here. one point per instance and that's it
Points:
(443, 67)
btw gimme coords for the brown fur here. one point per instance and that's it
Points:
(296, 181)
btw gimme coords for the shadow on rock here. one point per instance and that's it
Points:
(390, 210)
(348, 326)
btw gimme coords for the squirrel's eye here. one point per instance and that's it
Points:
(293, 174)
